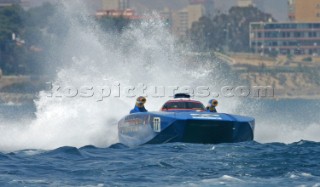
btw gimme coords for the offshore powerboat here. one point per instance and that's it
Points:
(184, 120)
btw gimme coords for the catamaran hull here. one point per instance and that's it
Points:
(189, 127)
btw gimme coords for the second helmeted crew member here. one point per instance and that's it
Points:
(139, 107)
(212, 104)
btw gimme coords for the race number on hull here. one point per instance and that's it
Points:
(156, 124)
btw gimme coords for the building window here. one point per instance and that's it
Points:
(259, 35)
(312, 34)
(297, 34)
(288, 34)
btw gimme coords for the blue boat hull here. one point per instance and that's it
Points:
(189, 127)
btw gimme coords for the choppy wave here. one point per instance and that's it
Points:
(177, 164)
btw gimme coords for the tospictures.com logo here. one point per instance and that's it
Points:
(116, 90)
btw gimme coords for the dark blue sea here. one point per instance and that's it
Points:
(256, 163)
(179, 164)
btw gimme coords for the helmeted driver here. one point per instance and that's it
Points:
(212, 104)
(139, 107)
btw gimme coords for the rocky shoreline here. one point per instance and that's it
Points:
(20, 89)
(24, 89)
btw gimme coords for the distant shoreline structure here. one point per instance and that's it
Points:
(9, 90)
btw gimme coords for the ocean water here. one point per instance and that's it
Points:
(72, 141)
(178, 164)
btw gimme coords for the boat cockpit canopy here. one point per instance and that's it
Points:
(183, 105)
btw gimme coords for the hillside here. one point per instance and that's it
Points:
(291, 78)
